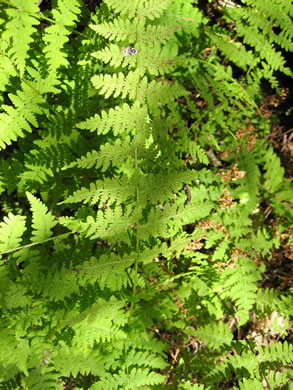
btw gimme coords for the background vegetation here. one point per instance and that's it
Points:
(146, 200)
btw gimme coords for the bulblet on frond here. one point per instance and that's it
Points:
(129, 51)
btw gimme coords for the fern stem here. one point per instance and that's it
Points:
(35, 243)
(137, 234)
(42, 17)
(136, 247)
(126, 364)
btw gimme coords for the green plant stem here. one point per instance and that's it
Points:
(35, 243)
(136, 247)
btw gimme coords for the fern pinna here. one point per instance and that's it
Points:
(134, 167)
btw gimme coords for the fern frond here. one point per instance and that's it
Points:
(135, 32)
(274, 174)
(158, 61)
(41, 84)
(14, 354)
(136, 378)
(11, 231)
(277, 14)
(33, 173)
(43, 220)
(103, 322)
(240, 284)
(7, 69)
(129, 86)
(249, 184)
(57, 35)
(248, 384)
(16, 296)
(117, 84)
(19, 30)
(111, 54)
(156, 187)
(155, 35)
(108, 191)
(119, 30)
(108, 271)
(215, 335)
(143, 358)
(58, 285)
(250, 367)
(270, 298)
(153, 188)
(121, 119)
(160, 93)
(71, 362)
(256, 24)
(235, 52)
(163, 222)
(109, 154)
(262, 243)
(15, 120)
(43, 378)
(150, 9)
(277, 352)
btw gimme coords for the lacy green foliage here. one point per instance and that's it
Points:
(262, 26)
(43, 221)
(132, 191)
(12, 229)
(15, 120)
(215, 335)
(252, 369)
(246, 277)
(17, 37)
(56, 35)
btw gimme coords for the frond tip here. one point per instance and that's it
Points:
(43, 220)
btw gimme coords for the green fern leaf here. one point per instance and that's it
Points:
(111, 54)
(279, 352)
(121, 119)
(7, 69)
(70, 362)
(119, 30)
(136, 379)
(14, 354)
(143, 358)
(274, 174)
(19, 30)
(58, 284)
(155, 92)
(17, 119)
(215, 335)
(235, 52)
(103, 323)
(241, 286)
(249, 185)
(43, 221)
(11, 231)
(108, 271)
(42, 378)
(117, 84)
(57, 35)
(150, 9)
(248, 384)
